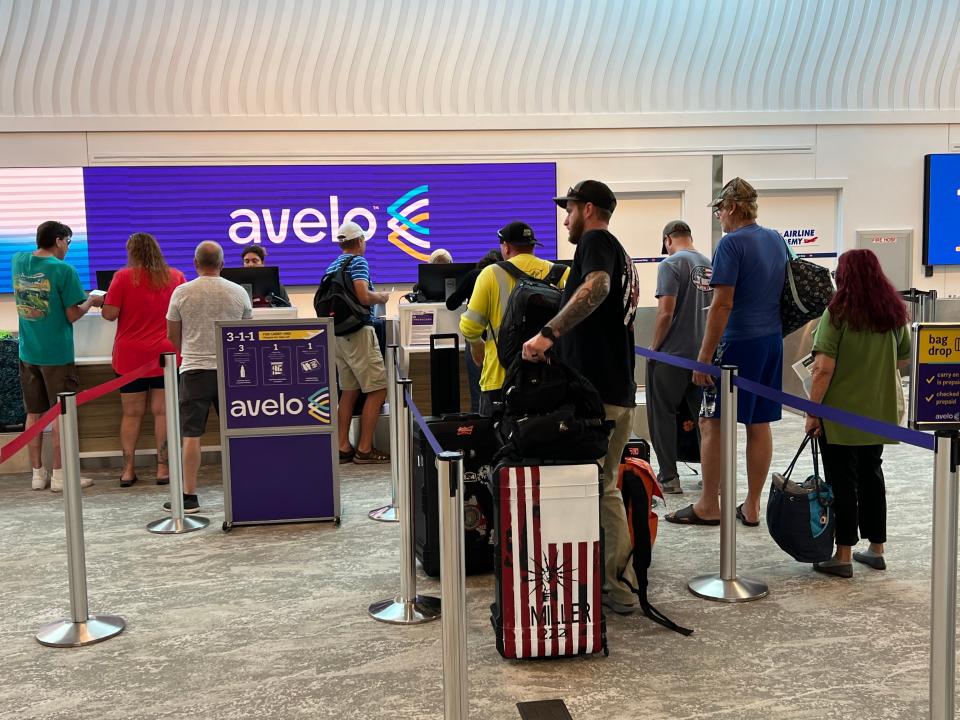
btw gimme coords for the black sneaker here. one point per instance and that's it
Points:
(191, 504)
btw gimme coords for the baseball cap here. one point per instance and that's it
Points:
(518, 233)
(348, 232)
(674, 227)
(589, 191)
(736, 189)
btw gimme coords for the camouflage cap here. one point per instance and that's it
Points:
(736, 189)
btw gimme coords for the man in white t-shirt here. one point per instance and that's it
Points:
(194, 310)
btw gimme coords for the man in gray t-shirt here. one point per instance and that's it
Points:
(191, 326)
(683, 296)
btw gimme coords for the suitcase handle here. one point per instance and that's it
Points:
(445, 336)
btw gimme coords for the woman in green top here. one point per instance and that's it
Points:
(860, 344)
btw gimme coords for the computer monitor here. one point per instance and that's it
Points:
(436, 282)
(104, 277)
(261, 283)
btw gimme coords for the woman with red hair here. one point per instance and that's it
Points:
(860, 344)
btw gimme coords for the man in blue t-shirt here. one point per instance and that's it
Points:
(743, 329)
(359, 361)
(49, 300)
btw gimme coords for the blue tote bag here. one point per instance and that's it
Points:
(800, 515)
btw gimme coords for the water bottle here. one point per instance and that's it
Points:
(709, 404)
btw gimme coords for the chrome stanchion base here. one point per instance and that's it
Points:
(423, 608)
(172, 526)
(66, 633)
(713, 587)
(387, 513)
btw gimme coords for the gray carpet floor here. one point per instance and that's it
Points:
(271, 621)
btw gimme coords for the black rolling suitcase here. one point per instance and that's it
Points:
(474, 436)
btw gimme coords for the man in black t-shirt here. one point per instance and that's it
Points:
(594, 334)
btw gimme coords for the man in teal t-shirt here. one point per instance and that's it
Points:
(49, 300)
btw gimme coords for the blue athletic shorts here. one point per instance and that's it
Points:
(758, 359)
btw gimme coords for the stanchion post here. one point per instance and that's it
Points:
(81, 628)
(452, 585)
(177, 523)
(943, 591)
(726, 586)
(388, 513)
(407, 608)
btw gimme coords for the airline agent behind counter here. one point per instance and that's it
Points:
(254, 256)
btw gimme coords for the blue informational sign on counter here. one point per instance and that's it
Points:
(935, 377)
(278, 421)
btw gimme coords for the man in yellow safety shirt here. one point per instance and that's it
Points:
(488, 303)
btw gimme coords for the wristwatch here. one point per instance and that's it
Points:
(547, 332)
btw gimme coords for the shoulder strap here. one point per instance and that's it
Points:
(556, 273)
(514, 272)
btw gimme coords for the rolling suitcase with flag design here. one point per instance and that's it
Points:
(548, 561)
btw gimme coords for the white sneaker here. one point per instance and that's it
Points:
(39, 481)
(56, 481)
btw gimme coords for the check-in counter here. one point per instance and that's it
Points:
(99, 420)
(417, 322)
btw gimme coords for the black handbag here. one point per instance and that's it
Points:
(800, 516)
(807, 290)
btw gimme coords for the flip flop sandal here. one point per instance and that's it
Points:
(742, 519)
(347, 456)
(687, 516)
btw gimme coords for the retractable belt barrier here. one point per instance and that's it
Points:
(860, 422)
(408, 608)
(24, 438)
(945, 444)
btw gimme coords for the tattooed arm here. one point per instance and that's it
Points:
(587, 298)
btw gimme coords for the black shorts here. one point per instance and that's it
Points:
(143, 384)
(198, 391)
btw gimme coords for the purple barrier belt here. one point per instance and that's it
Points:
(887, 430)
(431, 438)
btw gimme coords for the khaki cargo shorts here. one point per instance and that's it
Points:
(359, 361)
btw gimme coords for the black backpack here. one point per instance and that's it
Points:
(532, 304)
(337, 299)
(550, 412)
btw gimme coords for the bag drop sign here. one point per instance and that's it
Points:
(935, 377)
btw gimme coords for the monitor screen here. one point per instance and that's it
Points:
(941, 210)
(292, 211)
(104, 278)
(261, 283)
(437, 282)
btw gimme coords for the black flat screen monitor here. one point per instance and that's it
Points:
(104, 277)
(436, 282)
(259, 282)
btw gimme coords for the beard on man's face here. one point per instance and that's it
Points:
(575, 230)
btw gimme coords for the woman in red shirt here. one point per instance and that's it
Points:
(138, 298)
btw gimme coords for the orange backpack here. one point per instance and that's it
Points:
(639, 471)
(638, 485)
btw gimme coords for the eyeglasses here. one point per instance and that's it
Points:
(716, 212)
(67, 240)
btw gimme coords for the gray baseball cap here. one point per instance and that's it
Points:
(674, 227)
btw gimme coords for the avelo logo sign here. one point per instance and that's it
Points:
(311, 225)
(317, 406)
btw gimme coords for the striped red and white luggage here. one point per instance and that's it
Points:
(548, 561)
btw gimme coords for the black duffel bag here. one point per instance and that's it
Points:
(550, 412)
(800, 516)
